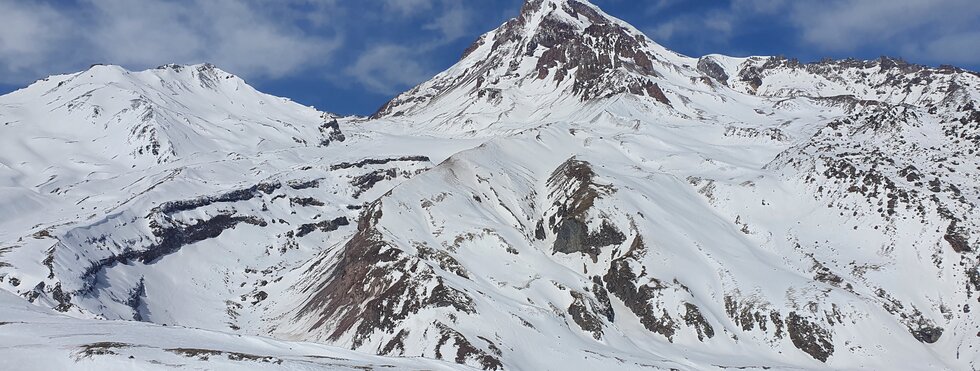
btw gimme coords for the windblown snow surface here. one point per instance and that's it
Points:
(569, 196)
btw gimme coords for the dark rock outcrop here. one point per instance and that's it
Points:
(694, 319)
(582, 314)
(927, 334)
(377, 161)
(330, 131)
(135, 300)
(305, 201)
(621, 281)
(712, 69)
(465, 350)
(363, 183)
(571, 237)
(323, 226)
(574, 191)
(958, 238)
(809, 337)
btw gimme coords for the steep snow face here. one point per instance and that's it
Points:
(570, 195)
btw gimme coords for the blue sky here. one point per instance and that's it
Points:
(350, 56)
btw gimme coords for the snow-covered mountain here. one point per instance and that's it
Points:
(569, 195)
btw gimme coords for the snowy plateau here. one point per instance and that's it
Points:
(569, 196)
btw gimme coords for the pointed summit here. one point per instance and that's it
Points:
(568, 47)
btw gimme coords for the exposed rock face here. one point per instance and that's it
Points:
(172, 238)
(466, 351)
(958, 238)
(582, 314)
(712, 69)
(620, 281)
(809, 337)
(135, 301)
(752, 76)
(360, 277)
(331, 133)
(928, 334)
(323, 226)
(374, 286)
(695, 319)
(567, 50)
(571, 237)
(574, 191)
(378, 161)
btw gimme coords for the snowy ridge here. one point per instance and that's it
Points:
(570, 195)
(139, 118)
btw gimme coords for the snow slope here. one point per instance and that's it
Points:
(570, 195)
(40, 339)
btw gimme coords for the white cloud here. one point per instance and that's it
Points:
(389, 68)
(251, 38)
(659, 5)
(386, 68)
(716, 26)
(959, 48)
(720, 23)
(664, 30)
(452, 24)
(758, 6)
(407, 8)
(30, 34)
(928, 30)
(933, 31)
(256, 39)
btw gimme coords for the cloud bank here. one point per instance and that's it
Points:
(380, 45)
(247, 37)
(931, 31)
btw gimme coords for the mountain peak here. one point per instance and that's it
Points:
(572, 8)
(206, 75)
(157, 115)
(570, 47)
(545, 16)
